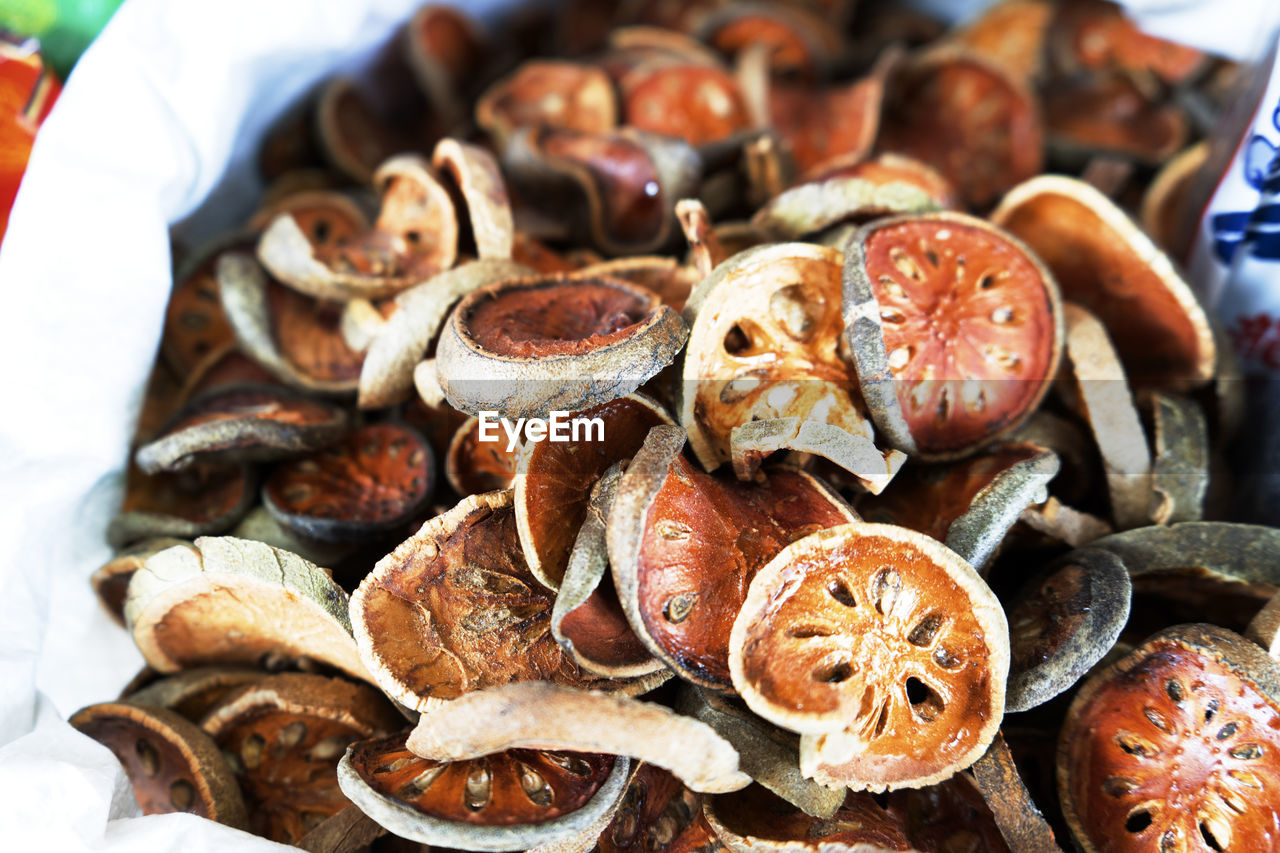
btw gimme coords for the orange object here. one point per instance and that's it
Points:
(27, 92)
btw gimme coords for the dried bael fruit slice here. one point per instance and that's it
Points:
(473, 466)
(883, 647)
(283, 737)
(348, 831)
(446, 50)
(200, 500)
(1112, 115)
(683, 545)
(195, 325)
(193, 692)
(476, 173)
(797, 40)
(587, 620)
(817, 124)
(526, 347)
(521, 799)
(1102, 261)
(1164, 205)
(1010, 34)
(955, 329)
(111, 581)
(696, 102)
(245, 424)
(298, 339)
(172, 765)
(810, 207)
(1022, 824)
(950, 815)
(1180, 469)
(554, 479)
(358, 129)
(542, 93)
(261, 526)
(538, 715)
(375, 480)
(658, 814)
(764, 347)
(415, 237)
(969, 505)
(1175, 747)
(756, 821)
(1063, 624)
(1093, 35)
(968, 118)
(233, 601)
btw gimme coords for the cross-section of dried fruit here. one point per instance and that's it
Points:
(881, 646)
(1112, 114)
(568, 95)
(193, 692)
(950, 815)
(172, 765)
(473, 466)
(698, 103)
(1175, 747)
(658, 814)
(199, 500)
(817, 124)
(684, 545)
(955, 329)
(1095, 35)
(755, 821)
(372, 482)
(111, 580)
(476, 173)
(195, 325)
(520, 799)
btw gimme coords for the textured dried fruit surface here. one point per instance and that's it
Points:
(473, 466)
(658, 814)
(950, 815)
(699, 104)
(1175, 748)
(754, 819)
(308, 334)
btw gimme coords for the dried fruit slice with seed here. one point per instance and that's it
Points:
(697, 103)
(1102, 261)
(658, 814)
(233, 601)
(192, 692)
(1021, 823)
(568, 95)
(1063, 624)
(755, 821)
(200, 500)
(684, 545)
(111, 580)
(414, 237)
(520, 799)
(538, 715)
(525, 347)
(473, 466)
(880, 645)
(955, 329)
(283, 737)
(1175, 747)
(242, 424)
(1180, 469)
(554, 479)
(764, 345)
(195, 324)
(374, 481)
(950, 815)
(172, 765)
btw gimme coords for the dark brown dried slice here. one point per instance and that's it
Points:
(1010, 34)
(1175, 747)
(755, 821)
(950, 815)
(968, 118)
(587, 620)
(955, 329)
(661, 274)
(1112, 114)
(200, 500)
(195, 325)
(297, 338)
(445, 50)
(882, 647)
(684, 545)
(1021, 822)
(658, 814)
(226, 601)
(796, 39)
(1093, 35)
(473, 465)
(193, 692)
(361, 122)
(521, 799)
(1063, 623)
(371, 483)
(241, 425)
(541, 93)
(697, 103)
(529, 346)
(414, 237)
(348, 831)
(111, 581)
(554, 479)
(1180, 468)
(172, 765)
(1164, 213)
(1102, 261)
(538, 715)
(283, 737)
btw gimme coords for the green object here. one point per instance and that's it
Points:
(64, 27)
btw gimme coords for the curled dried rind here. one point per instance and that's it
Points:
(477, 175)
(1180, 467)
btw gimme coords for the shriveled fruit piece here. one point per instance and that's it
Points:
(587, 620)
(361, 122)
(658, 814)
(881, 646)
(969, 505)
(298, 339)
(955, 329)
(111, 580)
(967, 117)
(1065, 524)
(1010, 34)
(950, 815)
(1093, 35)
(1021, 822)
(698, 103)
(192, 692)
(172, 765)
(538, 715)
(195, 325)
(529, 346)
(478, 178)
(240, 425)
(684, 545)
(755, 821)
(283, 737)
(1102, 261)
(199, 500)
(812, 206)
(764, 346)
(233, 601)
(374, 481)
(1175, 747)
(554, 479)
(817, 124)
(1064, 623)
(400, 344)
(520, 799)
(1112, 114)
(473, 466)
(568, 95)
(1180, 468)
(414, 237)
